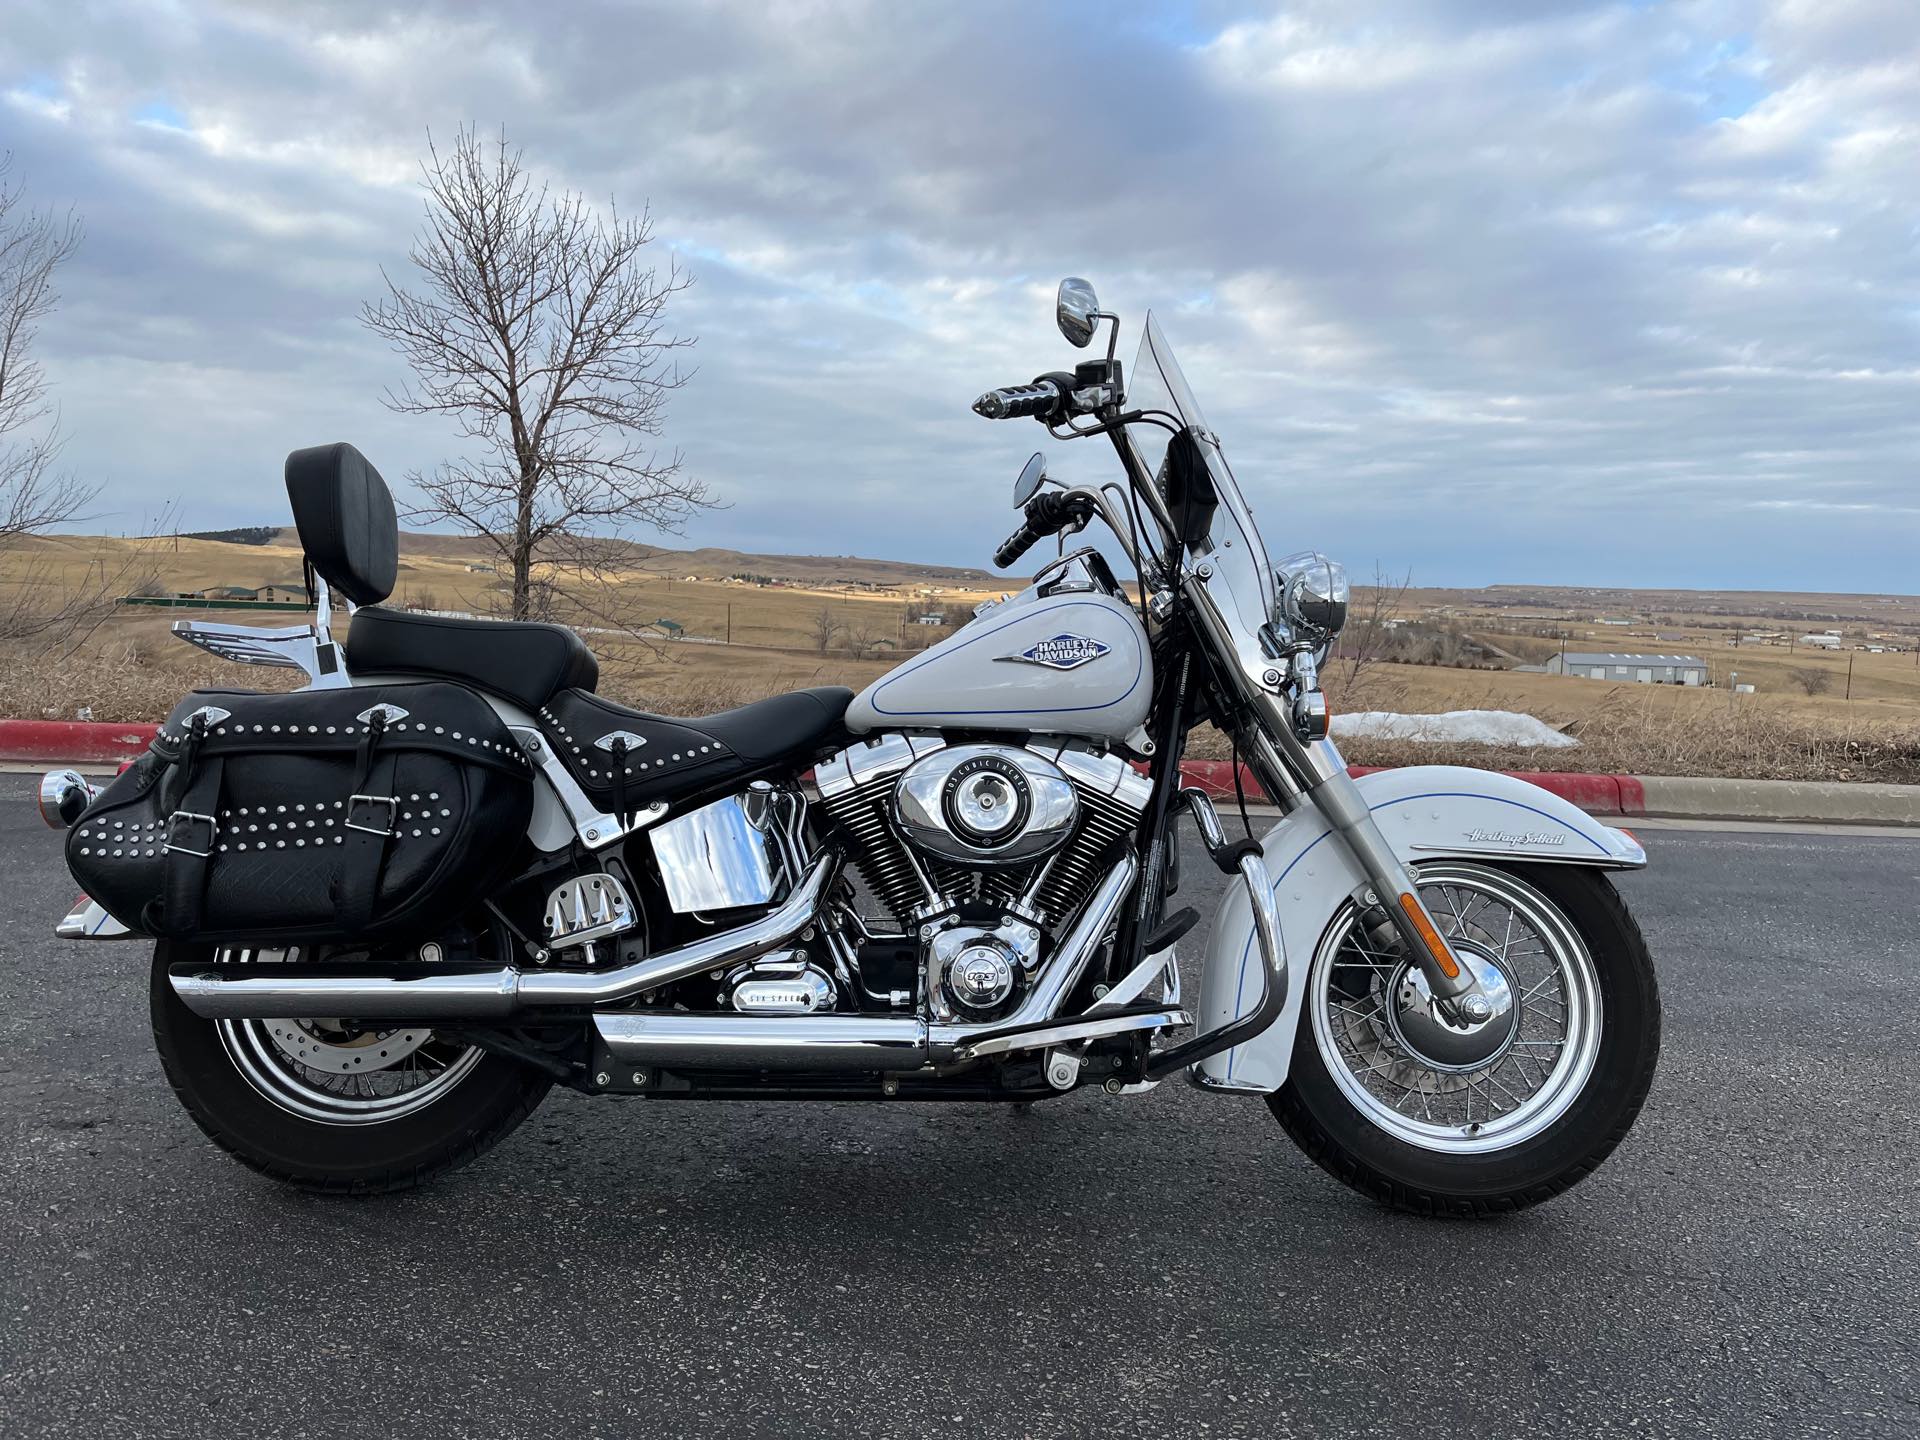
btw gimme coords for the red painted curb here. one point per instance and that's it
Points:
(56, 742)
(71, 741)
(1633, 795)
(1596, 794)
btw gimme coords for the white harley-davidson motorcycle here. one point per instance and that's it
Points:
(397, 905)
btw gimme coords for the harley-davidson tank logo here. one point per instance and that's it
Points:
(1061, 652)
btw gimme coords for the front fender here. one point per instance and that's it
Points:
(1426, 812)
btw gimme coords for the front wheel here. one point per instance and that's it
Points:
(328, 1106)
(1437, 1115)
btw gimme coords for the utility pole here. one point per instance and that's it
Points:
(729, 619)
(1849, 675)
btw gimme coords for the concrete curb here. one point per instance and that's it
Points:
(74, 742)
(1839, 802)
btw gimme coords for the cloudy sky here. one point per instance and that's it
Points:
(1491, 291)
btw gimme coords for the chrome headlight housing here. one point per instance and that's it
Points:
(1312, 601)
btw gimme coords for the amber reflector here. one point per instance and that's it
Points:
(1430, 937)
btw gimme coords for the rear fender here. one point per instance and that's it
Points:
(1426, 813)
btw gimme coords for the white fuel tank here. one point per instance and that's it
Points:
(1074, 663)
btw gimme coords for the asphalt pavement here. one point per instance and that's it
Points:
(1168, 1265)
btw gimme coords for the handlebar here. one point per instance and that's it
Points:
(1010, 402)
(1013, 547)
(1047, 514)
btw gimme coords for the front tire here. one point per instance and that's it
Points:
(1453, 1120)
(341, 1112)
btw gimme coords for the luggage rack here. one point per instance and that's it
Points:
(310, 648)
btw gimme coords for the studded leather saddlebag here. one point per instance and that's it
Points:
(325, 816)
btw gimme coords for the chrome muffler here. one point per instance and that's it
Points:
(303, 992)
(678, 1041)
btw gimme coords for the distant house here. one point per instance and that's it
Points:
(1827, 641)
(477, 569)
(672, 627)
(225, 592)
(282, 593)
(929, 619)
(1636, 669)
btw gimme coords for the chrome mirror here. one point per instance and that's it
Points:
(1074, 309)
(1032, 476)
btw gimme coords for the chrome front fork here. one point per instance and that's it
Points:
(1314, 774)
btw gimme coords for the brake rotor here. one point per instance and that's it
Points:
(330, 1048)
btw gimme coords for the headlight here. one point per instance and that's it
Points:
(1313, 595)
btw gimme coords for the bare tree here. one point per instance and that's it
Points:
(1812, 679)
(1364, 642)
(864, 638)
(34, 494)
(540, 329)
(823, 629)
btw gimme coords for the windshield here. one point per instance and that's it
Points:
(1158, 384)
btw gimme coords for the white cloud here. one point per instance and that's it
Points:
(1444, 276)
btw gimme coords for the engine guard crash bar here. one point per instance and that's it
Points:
(1248, 860)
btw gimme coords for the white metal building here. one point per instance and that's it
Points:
(1640, 669)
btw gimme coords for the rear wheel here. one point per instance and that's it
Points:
(329, 1106)
(1438, 1114)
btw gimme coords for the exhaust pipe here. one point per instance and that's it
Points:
(669, 1039)
(677, 1041)
(423, 992)
(765, 1042)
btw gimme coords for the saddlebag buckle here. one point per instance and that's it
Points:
(182, 831)
(359, 816)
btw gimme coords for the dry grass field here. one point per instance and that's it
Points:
(1861, 720)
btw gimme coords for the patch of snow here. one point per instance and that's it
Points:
(1471, 727)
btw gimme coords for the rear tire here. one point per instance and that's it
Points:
(1344, 1123)
(478, 1105)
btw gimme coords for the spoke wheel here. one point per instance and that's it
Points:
(336, 1073)
(1456, 1084)
(1501, 1101)
(332, 1106)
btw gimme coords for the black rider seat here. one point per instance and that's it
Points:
(548, 670)
(664, 757)
(519, 660)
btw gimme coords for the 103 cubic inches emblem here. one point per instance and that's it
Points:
(1061, 652)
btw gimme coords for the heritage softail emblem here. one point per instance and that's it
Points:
(1518, 839)
(1061, 652)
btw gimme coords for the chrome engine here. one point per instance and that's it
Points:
(985, 805)
(974, 852)
(892, 804)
